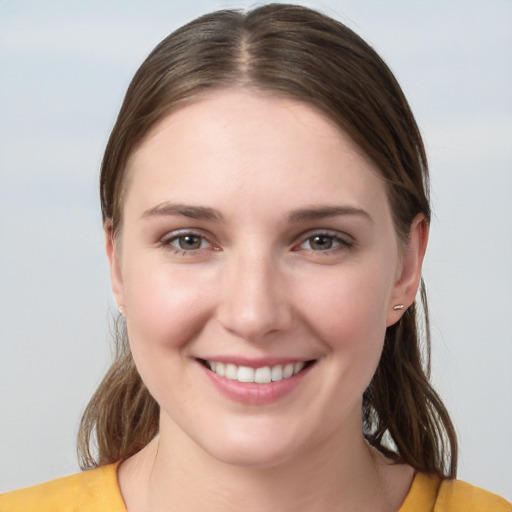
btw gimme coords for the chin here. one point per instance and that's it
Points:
(254, 451)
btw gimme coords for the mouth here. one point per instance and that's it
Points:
(261, 375)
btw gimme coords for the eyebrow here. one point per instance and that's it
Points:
(300, 215)
(185, 210)
(324, 212)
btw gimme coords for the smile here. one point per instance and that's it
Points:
(262, 375)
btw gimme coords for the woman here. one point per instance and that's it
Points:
(265, 205)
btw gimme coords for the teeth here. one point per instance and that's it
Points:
(288, 371)
(262, 375)
(231, 372)
(245, 374)
(277, 373)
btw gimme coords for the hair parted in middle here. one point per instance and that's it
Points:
(296, 53)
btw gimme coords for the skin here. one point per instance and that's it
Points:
(257, 285)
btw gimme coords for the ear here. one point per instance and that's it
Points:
(409, 271)
(116, 278)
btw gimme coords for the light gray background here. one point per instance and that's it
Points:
(64, 68)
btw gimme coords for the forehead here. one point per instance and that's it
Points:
(238, 143)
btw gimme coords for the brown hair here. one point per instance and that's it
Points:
(300, 54)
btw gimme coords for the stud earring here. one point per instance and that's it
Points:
(121, 310)
(398, 307)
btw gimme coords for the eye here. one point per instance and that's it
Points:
(185, 242)
(320, 242)
(325, 242)
(189, 242)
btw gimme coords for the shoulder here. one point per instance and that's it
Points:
(96, 489)
(431, 494)
(457, 495)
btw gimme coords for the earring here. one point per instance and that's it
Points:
(398, 307)
(121, 311)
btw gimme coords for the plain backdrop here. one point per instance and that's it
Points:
(64, 68)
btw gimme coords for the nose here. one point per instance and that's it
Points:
(253, 300)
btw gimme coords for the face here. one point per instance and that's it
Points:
(258, 267)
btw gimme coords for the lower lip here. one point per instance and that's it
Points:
(256, 394)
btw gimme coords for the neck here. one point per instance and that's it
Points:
(340, 473)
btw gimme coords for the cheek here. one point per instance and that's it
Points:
(166, 311)
(348, 314)
(165, 305)
(355, 305)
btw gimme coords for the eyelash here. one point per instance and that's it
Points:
(340, 242)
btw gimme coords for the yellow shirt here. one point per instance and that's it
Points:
(98, 491)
